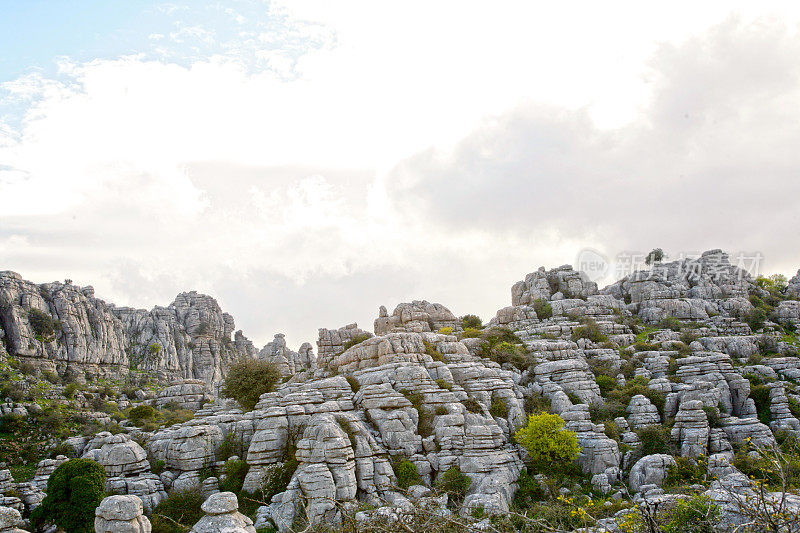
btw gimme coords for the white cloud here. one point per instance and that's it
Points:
(438, 151)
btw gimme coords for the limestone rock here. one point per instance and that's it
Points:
(185, 394)
(650, 470)
(121, 514)
(222, 514)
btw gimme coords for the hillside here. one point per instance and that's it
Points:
(679, 384)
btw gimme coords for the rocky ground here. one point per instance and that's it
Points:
(680, 383)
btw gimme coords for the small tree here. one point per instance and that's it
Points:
(548, 444)
(655, 256)
(455, 483)
(74, 490)
(471, 321)
(248, 379)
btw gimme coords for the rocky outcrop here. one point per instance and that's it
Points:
(691, 429)
(556, 284)
(288, 362)
(63, 327)
(222, 515)
(417, 317)
(185, 394)
(650, 470)
(127, 468)
(121, 514)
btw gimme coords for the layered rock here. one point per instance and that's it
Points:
(650, 470)
(417, 317)
(121, 514)
(63, 327)
(556, 284)
(127, 468)
(222, 515)
(185, 394)
(288, 361)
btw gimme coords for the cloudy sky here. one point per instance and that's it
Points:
(307, 161)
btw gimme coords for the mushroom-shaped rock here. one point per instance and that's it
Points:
(121, 514)
(222, 514)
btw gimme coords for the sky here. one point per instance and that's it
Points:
(305, 162)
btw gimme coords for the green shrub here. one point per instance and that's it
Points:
(431, 350)
(472, 405)
(354, 384)
(573, 397)
(529, 491)
(542, 308)
(536, 403)
(140, 413)
(455, 484)
(11, 423)
(498, 408)
(636, 386)
(655, 439)
(70, 390)
(687, 472)
(235, 471)
(471, 333)
(406, 473)
(590, 331)
(656, 255)
(712, 414)
(178, 513)
(154, 349)
(358, 339)
(670, 322)
(606, 383)
(608, 410)
(43, 325)
(471, 321)
(760, 396)
(248, 379)
(231, 445)
(548, 444)
(755, 319)
(695, 515)
(443, 384)
(157, 466)
(73, 492)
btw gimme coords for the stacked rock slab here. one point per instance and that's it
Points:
(288, 361)
(185, 394)
(121, 514)
(127, 468)
(222, 515)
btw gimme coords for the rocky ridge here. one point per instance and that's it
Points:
(678, 350)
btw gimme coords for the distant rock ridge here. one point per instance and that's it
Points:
(64, 328)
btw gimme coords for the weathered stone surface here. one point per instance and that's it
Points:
(545, 284)
(222, 514)
(9, 520)
(641, 413)
(189, 339)
(288, 361)
(185, 394)
(417, 317)
(121, 514)
(691, 429)
(650, 470)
